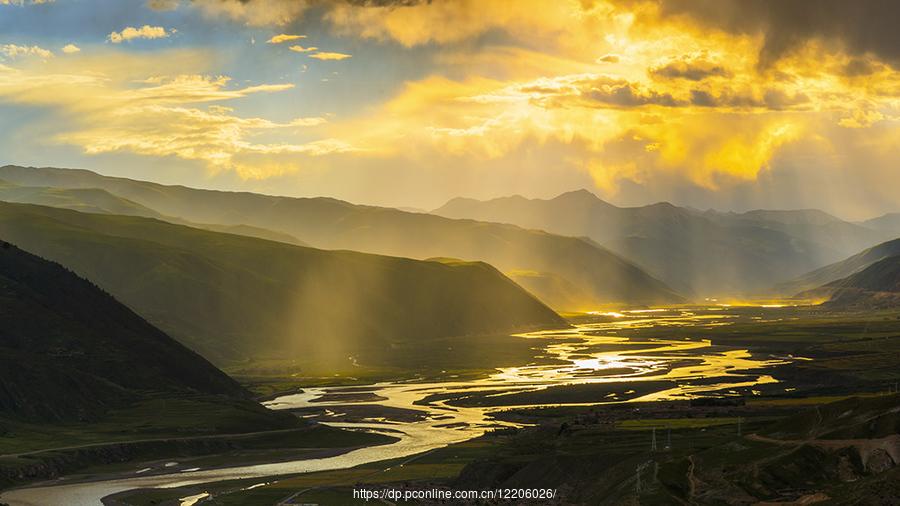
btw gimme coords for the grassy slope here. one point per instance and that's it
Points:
(232, 298)
(89, 200)
(598, 275)
(842, 269)
(96, 200)
(77, 367)
(876, 286)
(69, 347)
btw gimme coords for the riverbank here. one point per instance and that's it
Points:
(151, 457)
(639, 357)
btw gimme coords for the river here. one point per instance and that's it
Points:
(428, 417)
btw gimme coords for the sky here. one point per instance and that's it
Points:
(720, 104)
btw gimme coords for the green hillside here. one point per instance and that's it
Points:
(706, 253)
(95, 200)
(69, 352)
(876, 286)
(88, 200)
(234, 298)
(587, 274)
(842, 269)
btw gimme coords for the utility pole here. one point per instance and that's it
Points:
(669, 438)
(739, 426)
(653, 441)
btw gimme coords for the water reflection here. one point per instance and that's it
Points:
(428, 415)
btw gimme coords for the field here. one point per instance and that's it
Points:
(704, 452)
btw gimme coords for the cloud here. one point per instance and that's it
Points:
(618, 92)
(586, 90)
(301, 49)
(609, 58)
(194, 88)
(690, 68)
(283, 37)
(859, 27)
(70, 48)
(414, 23)
(322, 55)
(254, 12)
(163, 5)
(114, 103)
(144, 32)
(13, 51)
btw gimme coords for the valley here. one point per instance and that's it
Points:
(333, 369)
(604, 368)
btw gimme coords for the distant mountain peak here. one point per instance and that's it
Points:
(580, 193)
(581, 196)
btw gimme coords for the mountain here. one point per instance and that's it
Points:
(888, 223)
(707, 253)
(246, 230)
(234, 298)
(89, 200)
(95, 200)
(876, 286)
(583, 273)
(68, 350)
(842, 269)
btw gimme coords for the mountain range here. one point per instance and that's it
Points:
(888, 223)
(234, 298)
(840, 269)
(875, 286)
(564, 272)
(696, 252)
(95, 200)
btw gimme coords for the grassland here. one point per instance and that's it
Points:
(591, 453)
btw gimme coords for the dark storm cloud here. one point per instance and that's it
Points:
(692, 70)
(861, 26)
(602, 91)
(611, 92)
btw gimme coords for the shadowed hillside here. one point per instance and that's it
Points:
(842, 269)
(70, 351)
(876, 286)
(707, 253)
(233, 298)
(565, 272)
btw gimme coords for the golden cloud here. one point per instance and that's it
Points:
(161, 116)
(323, 55)
(449, 21)
(283, 37)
